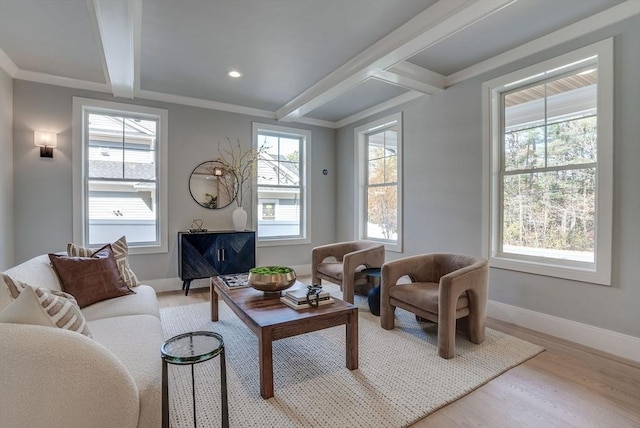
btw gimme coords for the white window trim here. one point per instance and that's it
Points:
(598, 272)
(360, 179)
(305, 157)
(80, 105)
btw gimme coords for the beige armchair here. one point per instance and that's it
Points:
(443, 288)
(341, 264)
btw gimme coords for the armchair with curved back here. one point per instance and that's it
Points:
(342, 262)
(444, 287)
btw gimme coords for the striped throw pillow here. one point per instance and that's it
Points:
(120, 251)
(39, 306)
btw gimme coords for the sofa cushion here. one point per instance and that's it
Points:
(120, 252)
(48, 308)
(424, 295)
(90, 279)
(143, 361)
(144, 302)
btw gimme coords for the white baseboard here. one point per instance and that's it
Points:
(619, 344)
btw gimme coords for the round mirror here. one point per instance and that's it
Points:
(212, 185)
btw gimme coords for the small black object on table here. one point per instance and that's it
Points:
(189, 349)
(374, 293)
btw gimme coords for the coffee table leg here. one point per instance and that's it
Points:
(352, 341)
(266, 363)
(214, 300)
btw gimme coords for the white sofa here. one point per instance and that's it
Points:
(51, 377)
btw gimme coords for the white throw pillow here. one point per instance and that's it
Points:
(38, 306)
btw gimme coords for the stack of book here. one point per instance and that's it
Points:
(297, 299)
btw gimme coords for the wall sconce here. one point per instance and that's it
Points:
(46, 141)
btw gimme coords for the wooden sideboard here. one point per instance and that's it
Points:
(206, 254)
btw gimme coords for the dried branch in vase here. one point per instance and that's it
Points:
(243, 163)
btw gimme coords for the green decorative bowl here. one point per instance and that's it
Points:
(272, 279)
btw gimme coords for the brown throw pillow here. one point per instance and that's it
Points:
(90, 279)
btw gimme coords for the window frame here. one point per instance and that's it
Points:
(598, 272)
(360, 138)
(305, 188)
(83, 106)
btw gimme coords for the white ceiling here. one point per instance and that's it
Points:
(326, 62)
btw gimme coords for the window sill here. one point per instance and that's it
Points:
(583, 272)
(282, 242)
(151, 249)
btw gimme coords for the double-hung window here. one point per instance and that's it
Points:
(379, 178)
(549, 131)
(120, 175)
(282, 184)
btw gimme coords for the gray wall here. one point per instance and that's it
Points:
(443, 190)
(6, 171)
(43, 187)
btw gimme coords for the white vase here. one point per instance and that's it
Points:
(239, 217)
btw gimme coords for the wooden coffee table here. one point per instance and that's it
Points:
(270, 320)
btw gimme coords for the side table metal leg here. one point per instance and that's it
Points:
(223, 386)
(193, 393)
(165, 396)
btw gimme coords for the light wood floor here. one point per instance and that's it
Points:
(566, 386)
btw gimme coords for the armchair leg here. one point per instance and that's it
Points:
(476, 328)
(347, 294)
(447, 333)
(387, 316)
(477, 317)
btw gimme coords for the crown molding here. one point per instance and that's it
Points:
(50, 79)
(208, 104)
(315, 122)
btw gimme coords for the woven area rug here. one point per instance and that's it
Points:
(400, 378)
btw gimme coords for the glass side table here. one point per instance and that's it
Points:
(190, 349)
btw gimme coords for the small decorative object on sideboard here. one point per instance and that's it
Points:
(196, 226)
(272, 279)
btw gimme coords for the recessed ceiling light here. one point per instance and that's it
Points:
(235, 74)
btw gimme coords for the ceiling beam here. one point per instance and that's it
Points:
(386, 105)
(434, 24)
(8, 65)
(412, 77)
(118, 29)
